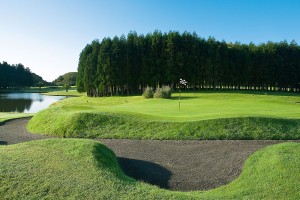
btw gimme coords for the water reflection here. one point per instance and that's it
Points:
(15, 105)
(26, 102)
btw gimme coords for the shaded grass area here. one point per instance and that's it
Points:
(202, 116)
(86, 169)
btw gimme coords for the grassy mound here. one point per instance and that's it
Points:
(120, 125)
(85, 169)
(202, 116)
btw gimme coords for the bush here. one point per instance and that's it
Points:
(164, 92)
(148, 93)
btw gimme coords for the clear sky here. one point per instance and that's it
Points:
(48, 35)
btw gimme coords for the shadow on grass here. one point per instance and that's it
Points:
(3, 142)
(145, 171)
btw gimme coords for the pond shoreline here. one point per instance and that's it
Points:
(23, 102)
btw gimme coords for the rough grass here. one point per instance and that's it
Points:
(86, 169)
(202, 116)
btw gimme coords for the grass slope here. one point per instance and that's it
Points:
(85, 169)
(202, 116)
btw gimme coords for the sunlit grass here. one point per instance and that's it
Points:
(7, 115)
(71, 92)
(86, 169)
(48, 90)
(203, 115)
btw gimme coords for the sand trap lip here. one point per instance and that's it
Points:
(175, 165)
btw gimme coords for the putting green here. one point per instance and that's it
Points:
(204, 115)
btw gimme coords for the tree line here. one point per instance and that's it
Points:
(17, 76)
(13, 76)
(126, 65)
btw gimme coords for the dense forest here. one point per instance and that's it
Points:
(126, 65)
(17, 76)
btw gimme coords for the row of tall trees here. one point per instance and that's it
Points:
(126, 65)
(13, 76)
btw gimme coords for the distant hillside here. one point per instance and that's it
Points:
(69, 78)
(38, 80)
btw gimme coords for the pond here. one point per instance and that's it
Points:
(26, 102)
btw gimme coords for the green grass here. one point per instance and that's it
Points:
(71, 92)
(4, 116)
(204, 115)
(49, 90)
(34, 89)
(86, 169)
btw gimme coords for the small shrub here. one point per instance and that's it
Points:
(164, 92)
(148, 93)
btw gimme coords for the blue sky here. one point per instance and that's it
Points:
(48, 35)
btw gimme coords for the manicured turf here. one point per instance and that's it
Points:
(205, 115)
(34, 89)
(86, 169)
(71, 92)
(7, 116)
(49, 90)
